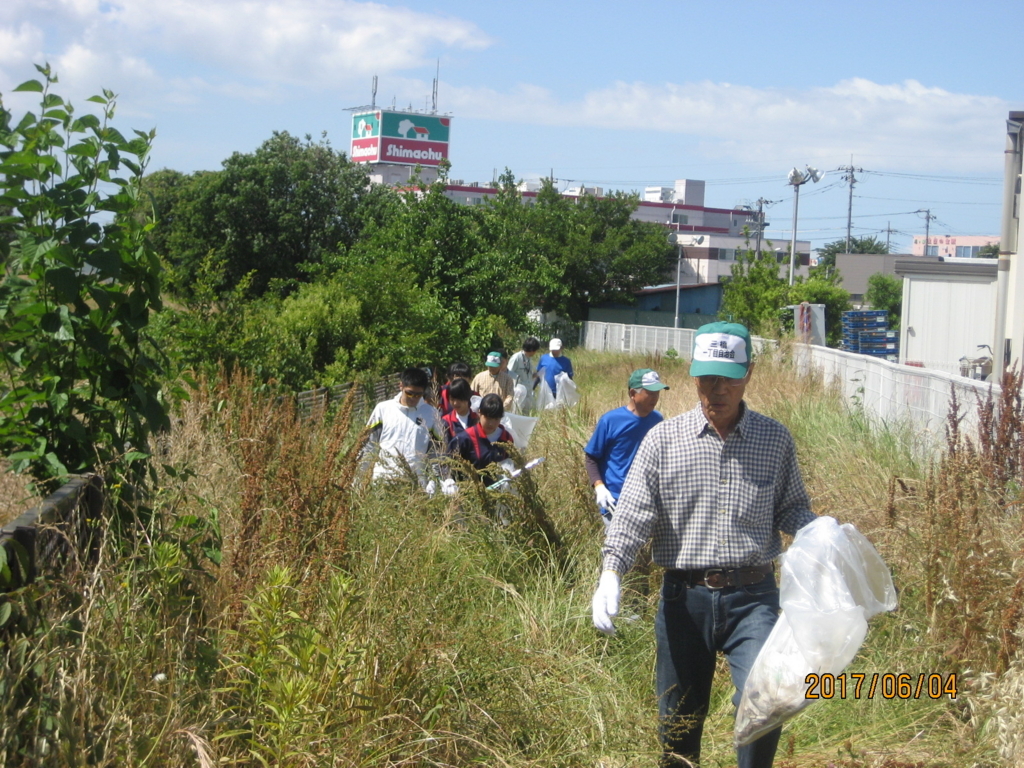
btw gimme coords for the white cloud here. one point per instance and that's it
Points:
(298, 41)
(252, 49)
(905, 125)
(20, 43)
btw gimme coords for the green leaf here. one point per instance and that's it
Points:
(64, 281)
(31, 86)
(135, 456)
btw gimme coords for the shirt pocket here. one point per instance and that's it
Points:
(754, 499)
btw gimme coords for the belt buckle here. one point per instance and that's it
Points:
(711, 573)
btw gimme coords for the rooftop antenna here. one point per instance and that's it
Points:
(433, 106)
(373, 98)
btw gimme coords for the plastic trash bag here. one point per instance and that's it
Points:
(521, 399)
(832, 581)
(521, 427)
(566, 394)
(545, 399)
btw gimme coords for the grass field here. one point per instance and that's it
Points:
(279, 611)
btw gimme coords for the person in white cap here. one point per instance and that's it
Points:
(713, 488)
(495, 380)
(609, 454)
(554, 363)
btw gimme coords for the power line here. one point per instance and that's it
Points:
(943, 179)
(915, 200)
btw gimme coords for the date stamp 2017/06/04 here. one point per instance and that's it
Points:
(888, 685)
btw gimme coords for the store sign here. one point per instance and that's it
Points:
(412, 152)
(365, 150)
(406, 138)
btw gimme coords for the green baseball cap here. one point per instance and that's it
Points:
(645, 378)
(721, 349)
(493, 359)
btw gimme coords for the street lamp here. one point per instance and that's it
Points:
(677, 241)
(797, 179)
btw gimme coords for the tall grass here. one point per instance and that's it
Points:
(281, 611)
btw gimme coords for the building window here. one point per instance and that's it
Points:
(680, 218)
(932, 250)
(967, 251)
(727, 254)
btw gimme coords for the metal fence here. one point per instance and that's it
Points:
(890, 393)
(620, 337)
(56, 536)
(314, 403)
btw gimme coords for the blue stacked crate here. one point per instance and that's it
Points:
(859, 320)
(880, 343)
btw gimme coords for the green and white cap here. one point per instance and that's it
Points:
(721, 349)
(645, 378)
(493, 359)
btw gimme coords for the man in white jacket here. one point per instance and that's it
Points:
(405, 430)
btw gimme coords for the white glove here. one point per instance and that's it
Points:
(449, 487)
(430, 488)
(508, 467)
(606, 602)
(604, 497)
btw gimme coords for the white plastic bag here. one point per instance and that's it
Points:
(545, 398)
(566, 395)
(521, 399)
(521, 428)
(832, 581)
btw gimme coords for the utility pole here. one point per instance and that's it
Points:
(888, 232)
(848, 176)
(927, 226)
(761, 222)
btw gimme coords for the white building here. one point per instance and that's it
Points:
(948, 311)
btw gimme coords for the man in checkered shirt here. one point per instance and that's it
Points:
(713, 487)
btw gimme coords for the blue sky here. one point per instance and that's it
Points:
(618, 95)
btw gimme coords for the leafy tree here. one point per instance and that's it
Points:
(827, 254)
(990, 251)
(80, 284)
(276, 213)
(886, 292)
(818, 291)
(592, 251)
(755, 293)
(758, 296)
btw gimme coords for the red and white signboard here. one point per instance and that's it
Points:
(411, 152)
(365, 150)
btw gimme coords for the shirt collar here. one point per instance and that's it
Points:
(703, 426)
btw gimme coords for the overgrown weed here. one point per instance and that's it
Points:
(281, 612)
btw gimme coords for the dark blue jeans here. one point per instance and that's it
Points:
(692, 625)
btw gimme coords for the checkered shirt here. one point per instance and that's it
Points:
(708, 502)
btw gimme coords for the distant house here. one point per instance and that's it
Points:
(856, 268)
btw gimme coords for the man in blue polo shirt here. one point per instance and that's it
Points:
(611, 449)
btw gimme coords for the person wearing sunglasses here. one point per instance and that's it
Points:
(712, 488)
(405, 430)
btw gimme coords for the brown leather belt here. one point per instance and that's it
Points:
(717, 578)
